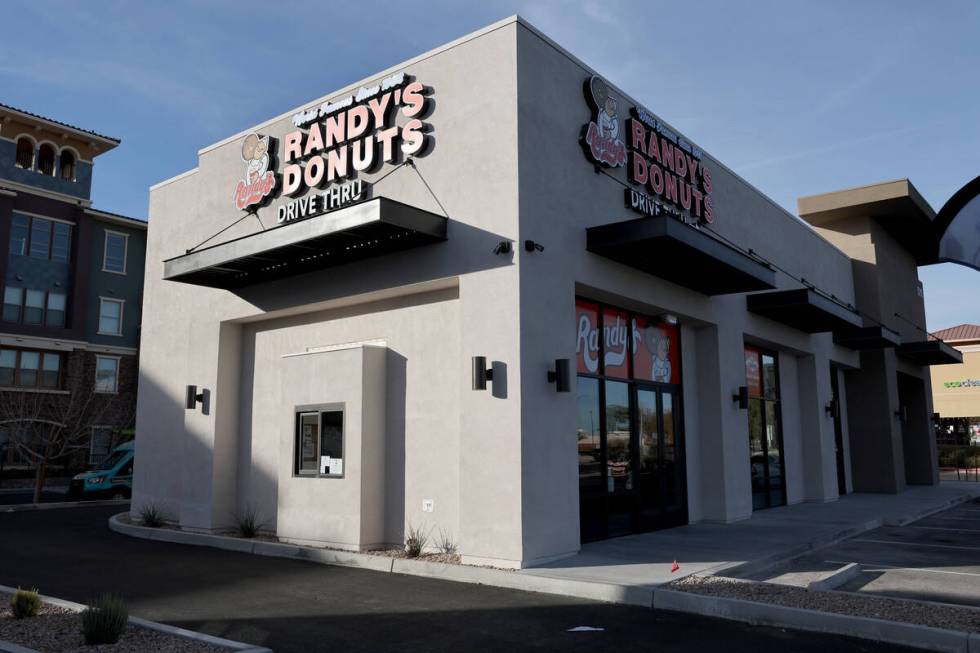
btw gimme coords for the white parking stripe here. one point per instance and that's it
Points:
(894, 568)
(934, 546)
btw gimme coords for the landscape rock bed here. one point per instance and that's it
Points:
(59, 630)
(922, 613)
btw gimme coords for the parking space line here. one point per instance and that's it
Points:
(934, 546)
(976, 519)
(940, 528)
(894, 568)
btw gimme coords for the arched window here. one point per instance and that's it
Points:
(45, 159)
(67, 165)
(25, 153)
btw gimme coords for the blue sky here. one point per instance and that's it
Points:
(797, 97)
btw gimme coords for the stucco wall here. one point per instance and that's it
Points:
(561, 196)
(472, 169)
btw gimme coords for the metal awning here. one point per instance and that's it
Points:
(364, 230)
(667, 248)
(869, 337)
(803, 309)
(929, 352)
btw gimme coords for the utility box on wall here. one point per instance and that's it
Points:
(332, 447)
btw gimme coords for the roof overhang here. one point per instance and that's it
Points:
(364, 230)
(99, 142)
(670, 249)
(804, 310)
(929, 352)
(896, 205)
(868, 337)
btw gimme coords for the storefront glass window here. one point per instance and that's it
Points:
(655, 351)
(765, 436)
(587, 337)
(587, 435)
(619, 457)
(615, 343)
(320, 443)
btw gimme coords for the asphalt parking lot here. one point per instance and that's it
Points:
(291, 605)
(936, 559)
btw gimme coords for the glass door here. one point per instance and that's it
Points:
(661, 481)
(765, 431)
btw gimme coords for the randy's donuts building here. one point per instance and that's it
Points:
(487, 293)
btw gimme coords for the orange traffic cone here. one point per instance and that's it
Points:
(674, 567)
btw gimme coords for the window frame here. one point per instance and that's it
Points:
(122, 310)
(29, 239)
(55, 156)
(34, 147)
(105, 251)
(95, 382)
(319, 409)
(39, 372)
(91, 443)
(74, 165)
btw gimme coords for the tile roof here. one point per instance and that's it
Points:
(58, 122)
(960, 332)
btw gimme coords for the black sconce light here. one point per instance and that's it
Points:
(531, 246)
(503, 247)
(194, 397)
(902, 413)
(481, 373)
(561, 376)
(742, 397)
(833, 408)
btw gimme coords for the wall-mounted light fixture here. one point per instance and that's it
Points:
(742, 397)
(561, 376)
(833, 408)
(503, 247)
(531, 246)
(193, 397)
(902, 413)
(668, 318)
(481, 373)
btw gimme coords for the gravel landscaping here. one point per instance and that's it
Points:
(913, 612)
(59, 630)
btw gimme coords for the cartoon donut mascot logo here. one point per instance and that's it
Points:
(600, 138)
(258, 181)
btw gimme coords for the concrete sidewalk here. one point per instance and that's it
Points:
(770, 536)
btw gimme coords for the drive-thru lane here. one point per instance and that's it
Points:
(295, 606)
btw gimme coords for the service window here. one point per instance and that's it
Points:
(319, 443)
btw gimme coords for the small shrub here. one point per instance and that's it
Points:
(104, 621)
(248, 523)
(415, 542)
(25, 603)
(445, 543)
(152, 515)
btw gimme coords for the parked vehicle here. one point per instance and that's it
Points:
(113, 479)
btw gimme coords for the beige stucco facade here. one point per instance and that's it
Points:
(391, 337)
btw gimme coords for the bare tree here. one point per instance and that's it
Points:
(46, 427)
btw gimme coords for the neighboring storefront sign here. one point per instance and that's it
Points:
(965, 383)
(669, 172)
(333, 142)
(654, 345)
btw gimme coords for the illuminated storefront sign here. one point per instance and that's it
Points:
(333, 142)
(668, 172)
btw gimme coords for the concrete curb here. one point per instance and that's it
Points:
(835, 578)
(21, 507)
(509, 579)
(143, 623)
(768, 614)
